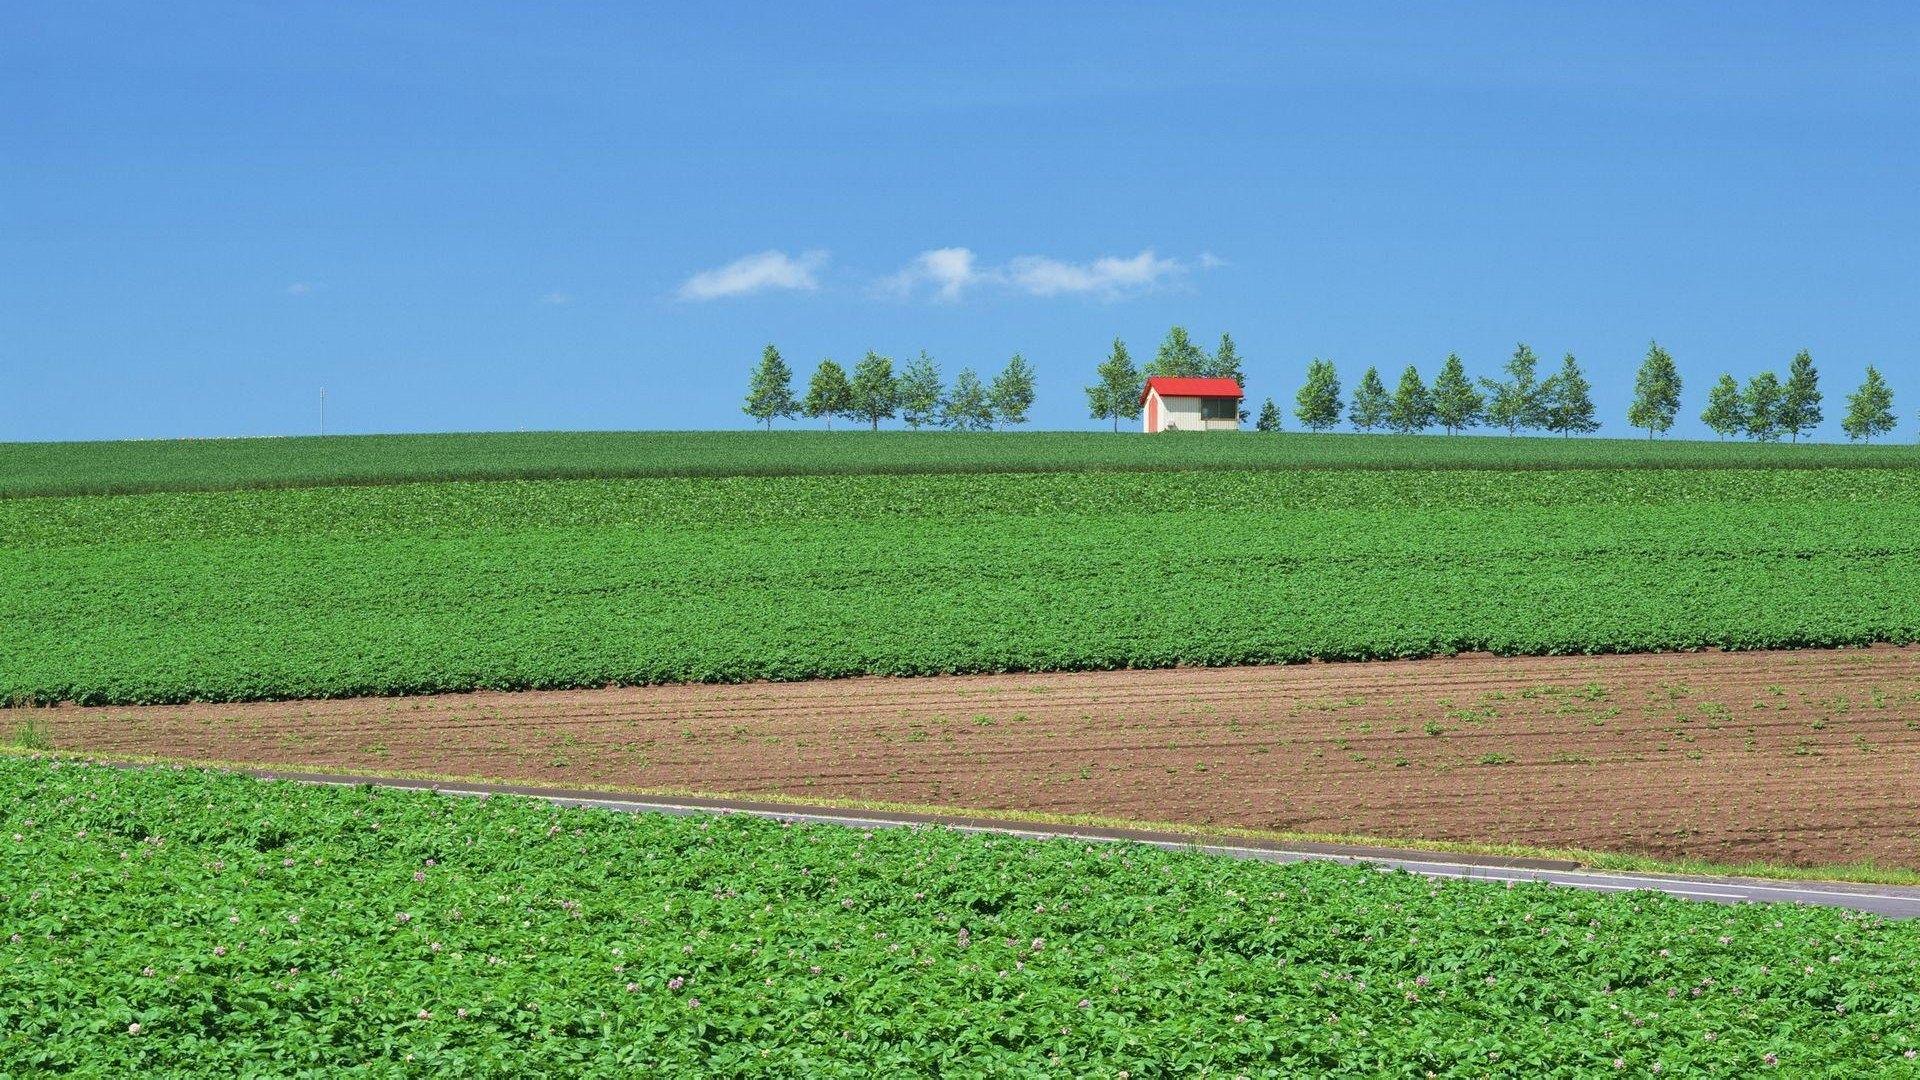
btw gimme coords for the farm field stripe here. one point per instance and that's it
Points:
(1799, 759)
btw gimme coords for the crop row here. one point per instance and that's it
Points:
(224, 605)
(223, 464)
(167, 920)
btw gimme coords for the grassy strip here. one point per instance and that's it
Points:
(124, 467)
(1857, 873)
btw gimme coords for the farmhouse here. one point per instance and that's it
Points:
(1190, 405)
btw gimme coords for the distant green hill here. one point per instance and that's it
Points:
(223, 464)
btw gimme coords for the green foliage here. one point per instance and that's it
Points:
(968, 406)
(1317, 405)
(1656, 392)
(1011, 394)
(828, 393)
(1762, 404)
(770, 389)
(1869, 409)
(1726, 412)
(43, 469)
(163, 922)
(1116, 396)
(1225, 364)
(1800, 398)
(1567, 400)
(1516, 403)
(1371, 402)
(1178, 357)
(441, 587)
(1412, 406)
(920, 392)
(875, 392)
(1269, 417)
(1456, 404)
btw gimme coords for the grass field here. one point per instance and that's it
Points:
(223, 464)
(430, 587)
(161, 920)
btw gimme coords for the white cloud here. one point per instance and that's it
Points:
(1106, 276)
(301, 288)
(557, 297)
(755, 273)
(949, 270)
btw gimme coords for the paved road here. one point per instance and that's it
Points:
(1889, 900)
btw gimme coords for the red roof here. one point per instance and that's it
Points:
(1169, 387)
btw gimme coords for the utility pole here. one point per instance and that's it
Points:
(323, 410)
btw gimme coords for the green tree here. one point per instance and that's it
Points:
(828, 393)
(770, 389)
(1318, 402)
(1225, 364)
(1269, 417)
(920, 392)
(1762, 403)
(1011, 394)
(1726, 410)
(1568, 400)
(1412, 408)
(1456, 404)
(1656, 392)
(968, 407)
(1116, 396)
(1869, 409)
(1515, 403)
(1800, 401)
(876, 393)
(1178, 357)
(1370, 402)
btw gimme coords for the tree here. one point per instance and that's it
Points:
(1567, 398)
(1515, 404)
(1800, 402)
(1225, 364)
(920, 392)
(1656, 392)
(1726, 411)
(967, 407)
(1456, 404)
(1869, 409)
(1178, 357)
(770, 389)
(1269, 417)
(876, 393)
(1318, 402)
(1011, 394)
(1116, 396)
(1412, 408)
(828, 393)
(1370, 402)
(1762, 405)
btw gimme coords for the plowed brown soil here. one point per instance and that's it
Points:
(1804, 757)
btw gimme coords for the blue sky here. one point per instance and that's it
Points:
(473, 216)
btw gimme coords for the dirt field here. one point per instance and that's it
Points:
(1803, 757)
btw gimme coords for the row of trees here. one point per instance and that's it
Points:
(874, 393)
(1766, 409)
(1563, 403)
(1770, 407)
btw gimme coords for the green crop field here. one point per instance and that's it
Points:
(166, 920)
(429, 587)
(220, 464)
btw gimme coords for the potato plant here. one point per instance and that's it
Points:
(175, 920)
